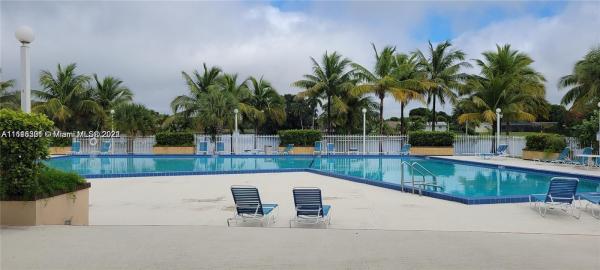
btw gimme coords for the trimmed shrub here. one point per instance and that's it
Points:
(299, 137)
(21, 152)
(431, 138)
(545, 142)
(175, 139)
(54, 182)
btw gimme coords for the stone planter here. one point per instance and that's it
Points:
(300, 150)
(64, 209)
(55, 150)
(174, 150)
(539, 155)
(432, 150)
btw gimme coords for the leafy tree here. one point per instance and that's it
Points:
(583, 83)
(135, 120)
(506, 81)
(424, 112)
(9, 99)
(329, 77)
(67, 99)
(586, 131)
(442, 65)
(215, 111)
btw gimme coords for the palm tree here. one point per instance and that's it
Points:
(266, 103)
(67, 99)
(584, 82)
(110, 93)
(506, 81)
(328, 78)
(9, 99)
(442, 66)
(412, 83)
(381, 81)
(214, 111)
(189, 106)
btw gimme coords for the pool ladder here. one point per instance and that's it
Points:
(416, 167)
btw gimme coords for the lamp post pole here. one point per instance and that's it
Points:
(112, 129)
(498, 116)
(235, 133)
(25, 35)
(598, 134)
(364, 111)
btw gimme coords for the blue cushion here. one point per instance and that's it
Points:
(592, 197)
(326, 210)
(268, 207)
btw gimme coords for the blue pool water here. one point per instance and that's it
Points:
(458, 179)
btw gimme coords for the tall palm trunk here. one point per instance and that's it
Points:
(434, 118)
(381, 122)
(402, 118)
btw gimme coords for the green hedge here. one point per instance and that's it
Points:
(545, 142)
(175, 139)
(19, 158)
(53, 182)
(60, 142)
(299, 137)
(431, 138)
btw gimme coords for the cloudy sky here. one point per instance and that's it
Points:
(148, 44)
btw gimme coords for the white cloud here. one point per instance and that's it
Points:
(148, 44)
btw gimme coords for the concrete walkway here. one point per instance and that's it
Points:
(201, 247)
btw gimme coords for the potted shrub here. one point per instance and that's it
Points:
(60, 146)
(543, 146)
(174, 143)
(431, 143)
(302, 139)
(31, 193)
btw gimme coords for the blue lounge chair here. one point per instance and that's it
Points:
(105, 147)
(501, 150)
(220, 148)
(318, 147)
(289, 149)
(309, 207)
(593, 199)
(405, 150)
(582, 161)
(249, 207)
(330, 148)
(560, 193)
(202, 148)
(563, 157)
(75, 148)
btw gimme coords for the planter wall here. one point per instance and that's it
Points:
(55, 150)
(65, 209)
(432, 150)
(539, 155)
(300, 150)
(174, 150)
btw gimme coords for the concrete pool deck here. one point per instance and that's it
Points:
(206, 200)
(179, 222)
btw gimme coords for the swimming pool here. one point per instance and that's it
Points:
(458, 181)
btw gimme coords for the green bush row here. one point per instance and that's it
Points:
(545, 142)
(175, 139)
(299, 137)
(431, 138)
(60, 142)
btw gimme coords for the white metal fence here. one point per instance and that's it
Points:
(470, 145)
(373, 143)
(242, 143)
(119, 145)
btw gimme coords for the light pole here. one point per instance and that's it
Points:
(364, 111)
(25, 35)
(598, 134)
(498, 116)
(112, 129)
(235, 132)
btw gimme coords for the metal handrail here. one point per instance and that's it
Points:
(426, 170)
(415, 166)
